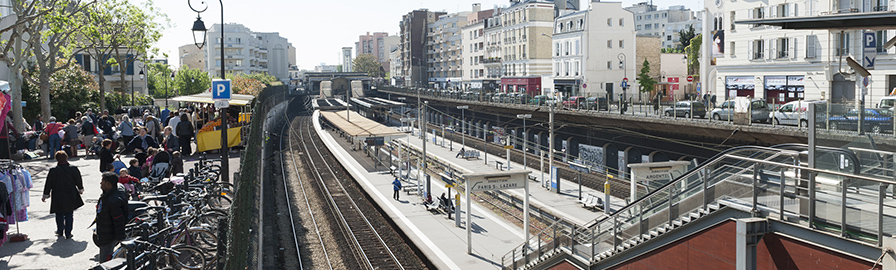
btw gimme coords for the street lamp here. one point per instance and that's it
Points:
(463, 135)
(167, 90)
(525, 136)
(199, 34)
(133, 99)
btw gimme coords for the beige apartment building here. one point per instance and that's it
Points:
(474, 75)
(526, 27)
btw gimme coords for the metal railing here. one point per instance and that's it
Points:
(768, 181)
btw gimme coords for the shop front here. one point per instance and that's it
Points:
(568, 87)
(739, 86)
(528, 85)
(783, 89)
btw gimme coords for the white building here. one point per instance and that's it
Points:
(444, 49)
(650, 21)
(323, 67)
(247, 52)
(593, 50)
(786, 65)
(473, 54)
(347, 59)
(395, 66)
(670, 34)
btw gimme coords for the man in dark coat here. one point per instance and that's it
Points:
(64, 188)
(106, 157)
(111, 216)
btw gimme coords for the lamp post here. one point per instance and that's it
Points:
(621, 57)
(167, 90)
(525, 138)
(199, 34)
(133, 99)
(463, 135)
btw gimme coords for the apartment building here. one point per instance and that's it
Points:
(347, 59)
(247, 52)
(413, 46)
(444, 51)
(786, 65)
(192, 57)
(671, 33)
(474, 75)
(525, 48)
(395, 67)
(650, 21)
(491, 34)
(593, 50)
(378, 44)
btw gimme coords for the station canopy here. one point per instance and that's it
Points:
(359, 126)
(206, 97)
(842, 21)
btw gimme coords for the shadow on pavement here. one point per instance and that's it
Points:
(65, 248)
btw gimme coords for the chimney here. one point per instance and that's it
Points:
(476, 7)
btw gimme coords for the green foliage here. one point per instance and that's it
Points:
(191, 81)
(644, 80)
(367, 63)
(671, 50)
(693, 53)
(685, 36)
(71, 90)
(158, 79)
(338, 68)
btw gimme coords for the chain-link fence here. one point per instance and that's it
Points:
(245, 213)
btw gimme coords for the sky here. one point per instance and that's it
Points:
(318, 29)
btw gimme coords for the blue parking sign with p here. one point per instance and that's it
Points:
(221, 89)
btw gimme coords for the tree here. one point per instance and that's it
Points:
(338, 68)
(644, 80)
(191, 81)
(685, 36)
(56, 44)
(367, 63)
(143, 31)
(693, 53)
(15, 47)
(158, 79)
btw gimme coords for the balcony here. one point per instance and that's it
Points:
(491, 60)
(880, 8)
(783, 54)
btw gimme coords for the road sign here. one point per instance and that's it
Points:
(624, 79)
(523, 116)
(870, 53)
(463, 107)
(690, 78)
(508, 147)
(624, 84)
(865, 82)
(221, 89)
(221, 104)
(585, 85)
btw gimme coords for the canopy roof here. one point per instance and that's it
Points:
(843, 21)
(359, 126)
(206, 97)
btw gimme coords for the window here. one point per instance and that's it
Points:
(881, 40)
(609, 65)
(782, 45)
(566, 70)
(758, 49)
(638, 27)
(647, 27)
(731, 48)
(656, 16)
(557, 69)
(621, 44)
(639, 17)
(732, 20)
(759, 13)
(656, 25)
(880, 5)
(567, 48)
(577, 68)
(609, 22)
(783, 10)
(668, 37)
(621, 22)
(609, 44)
(577, 48)
(842, 44)
(664, 15)
(557, 49)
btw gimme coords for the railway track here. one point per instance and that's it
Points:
(338, 226)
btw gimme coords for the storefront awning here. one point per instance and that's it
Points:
(236, 99)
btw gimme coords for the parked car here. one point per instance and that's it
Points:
(758, 108)
(876, 120)
(794, 113)
(574, 102)
(596, 103)
(538, 100)
(887, 102)
(498, 98)
(685, 108)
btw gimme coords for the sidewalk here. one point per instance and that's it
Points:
(565, 205)
(438, 237)
(44, 250)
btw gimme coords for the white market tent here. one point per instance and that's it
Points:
(206, 97)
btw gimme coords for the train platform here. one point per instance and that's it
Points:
(565, 204)
(437, 236)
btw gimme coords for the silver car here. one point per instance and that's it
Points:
(725, 112)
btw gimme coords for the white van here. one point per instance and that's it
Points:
(794, 113)
(887, 102)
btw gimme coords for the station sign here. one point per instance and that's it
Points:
(497, 183)
(869, 41)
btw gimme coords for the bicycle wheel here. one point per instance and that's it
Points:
(201, 238)
(187, 257)
(216, 201)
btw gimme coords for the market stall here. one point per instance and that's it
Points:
(208, 137)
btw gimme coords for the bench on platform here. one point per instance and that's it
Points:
(468, 154)
(592, 202)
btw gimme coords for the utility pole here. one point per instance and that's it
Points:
(551, 148)
(423, 132)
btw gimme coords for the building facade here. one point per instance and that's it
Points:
(787, 65)
(378, 44)
(593, 50)
(525, 51)
(395, 67)
(474, 75)
(444, 51)
(347, 59)
(650, 21)
(671, 33)
(247, 52)
(192, 57)
(413, 46)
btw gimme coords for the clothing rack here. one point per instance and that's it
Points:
(7, 165)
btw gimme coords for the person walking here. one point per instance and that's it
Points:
(71, 137)
(396, 186)
(64, 188)
(184, 131)
(105, 153)
(111, 216)
(127, 130)
(54, 140)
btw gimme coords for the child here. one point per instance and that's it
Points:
(118, 164)
(94, 148)
(177, 164)
(128, 182)
(134, 169)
